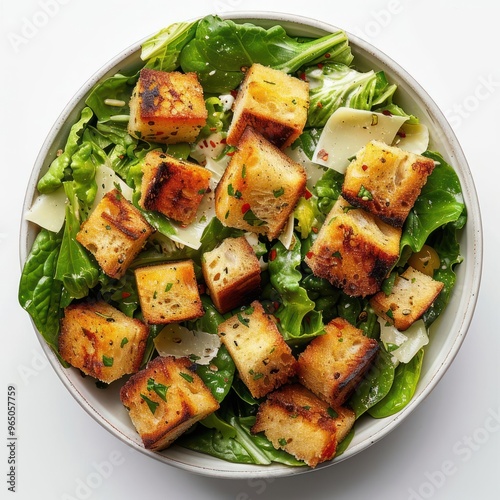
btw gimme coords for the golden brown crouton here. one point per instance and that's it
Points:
(386, 181)
(167, 107)
(168, 293)
(412, 294)
(297, 421)
(259, 188)
(334, 363)
(101, 341)
(173, 187)
(114, 233)
(272, 102)
(165, 399)
(354, 250)
(232, 274)
(264, 360)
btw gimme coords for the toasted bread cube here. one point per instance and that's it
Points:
(412, 294)
(167, 107)
(272, 102)
(165, 399)
(114, 233)
(386, 181)
(297, 421)
(263, 359)
(334, 363)
(232, 273)
(173, 187)
(101, 341)
(354, 250)
(260, 187)
(168, 293)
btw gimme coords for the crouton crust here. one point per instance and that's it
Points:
(263, 358)
(173, 187)
(354, 250)
(167, 107)
(412, 294)
(232, 274)
(272, 102)
(386, 181)
(260, 187)
(101, 341)
(165, 399)
(334, 363)
(297, 421)
(114, 233)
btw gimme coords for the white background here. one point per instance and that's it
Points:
(447, 449)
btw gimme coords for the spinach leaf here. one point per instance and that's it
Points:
(406, 377)
(39, 292)
(375, 385)
(221, 50)
(439, 203)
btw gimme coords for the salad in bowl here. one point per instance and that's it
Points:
(241, 241)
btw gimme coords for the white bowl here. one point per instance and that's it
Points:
(448, 332)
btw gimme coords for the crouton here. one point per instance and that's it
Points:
(334, 363)
(168, 293)
(167, 107)
(354, 250)
(165, 399)
(412, 294)
(259, 188)
(263, 359)
(297, 421)
(114, 233)
(173, 187)
(386, 181)
(232, 274)
(272, 102)
(101, 341)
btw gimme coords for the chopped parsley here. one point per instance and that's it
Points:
(159, 389)
(107, 361)
(151, 404)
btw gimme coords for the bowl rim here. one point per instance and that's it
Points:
(475, 246)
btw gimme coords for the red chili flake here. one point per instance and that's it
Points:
(320, 65)
(245, 208)
(234, 93)
(401, 134)
(230, 153)
(365, 167)
(314, 230)
(302, 76)
(212, 144)
(386, 112)
(276, 305)
(309, 254)
(319, 105)
(223, 140)
(327, 55)
(126, 295)
(323, 155)
(272, 254)
(213, 129)
(205, 143)
(307, 194)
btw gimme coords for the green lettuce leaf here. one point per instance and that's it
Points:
(221, 50)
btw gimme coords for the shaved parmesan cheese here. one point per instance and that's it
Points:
(413, 137)
(348, 130)
(409, 342)
(286, 237)
(178, 341)
(49, 210)
(211, 147)
(107, 180)
(314, 171)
